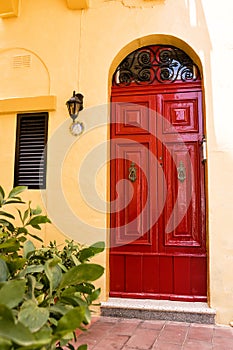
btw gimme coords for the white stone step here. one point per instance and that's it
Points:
(148, 309)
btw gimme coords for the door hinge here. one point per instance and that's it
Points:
(204, 149)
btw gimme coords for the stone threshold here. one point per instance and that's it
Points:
(147, 309)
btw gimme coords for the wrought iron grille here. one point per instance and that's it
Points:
(156, 64)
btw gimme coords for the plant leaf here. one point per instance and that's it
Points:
(16, 264)
(12, 292)
(33, 316)
(15, 332)
(81, 273)
(36, 211)
(87, 318)
(25, 215)
(7, 214)
(31, 269)
(53, 272)
(85, 288)
(91, 251)
(82, 347)
(36, 237)
(22, 230)
(22, 239)
(70, 321)
(42, 340)
(95, 295)
(74, 300)
(4, 272)
(31, 287)
(5, 344)
(28, 247)
(6, 313)
(14, 201)
(8, 224)
(10, 245)
(16, 190)
(21, 335)
(60, 308)
(20, 215)
(2, 194)
(40, 219)
(37, 227)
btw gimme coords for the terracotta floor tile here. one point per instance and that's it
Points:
(134, 334)
(200, 333)
(174, 336)
(125, 327)
(196, 345)
(111, 342)
(222, 347)
(166, 346)
(224, 341)
(142, 339)
(153, 324)
(103, 319)
(182, 327)
(223, 332)
(92, 336)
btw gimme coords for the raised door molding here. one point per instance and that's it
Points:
(9, 8)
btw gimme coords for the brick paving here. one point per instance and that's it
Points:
(112, 333)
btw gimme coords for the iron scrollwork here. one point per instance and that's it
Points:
(163, 64)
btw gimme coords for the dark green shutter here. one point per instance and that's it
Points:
(30, 157)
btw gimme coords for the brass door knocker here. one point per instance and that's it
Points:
(132, 172)
(181, 172)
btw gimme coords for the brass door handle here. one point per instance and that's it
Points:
(132, 172)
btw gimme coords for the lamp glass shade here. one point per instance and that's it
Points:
(74, 105)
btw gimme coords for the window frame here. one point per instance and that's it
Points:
(18, 155)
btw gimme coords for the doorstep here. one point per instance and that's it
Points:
(147, 309)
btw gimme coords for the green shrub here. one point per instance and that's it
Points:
(46, 293)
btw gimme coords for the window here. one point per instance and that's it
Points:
(30, 155)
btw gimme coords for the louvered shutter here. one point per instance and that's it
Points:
(30, 159)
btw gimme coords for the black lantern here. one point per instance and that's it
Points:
(75, 105)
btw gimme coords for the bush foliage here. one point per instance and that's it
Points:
(46, 293)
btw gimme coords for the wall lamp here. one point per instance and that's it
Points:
(74, 106)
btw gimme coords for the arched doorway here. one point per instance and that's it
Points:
(158, 235)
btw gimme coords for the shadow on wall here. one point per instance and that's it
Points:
(23, 74)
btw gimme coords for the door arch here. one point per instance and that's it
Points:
(158, 233)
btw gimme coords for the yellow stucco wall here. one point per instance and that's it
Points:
(79, 49)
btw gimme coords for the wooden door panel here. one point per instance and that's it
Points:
(150, 281)
(131, 217)
(198, 275)
(166, 275)
(133, 274)
(180, 112)
(117, 273)
(182, 209)
(171, 277)
(182, 280)
(133, 117)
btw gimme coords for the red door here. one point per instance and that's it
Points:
(157, 187)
